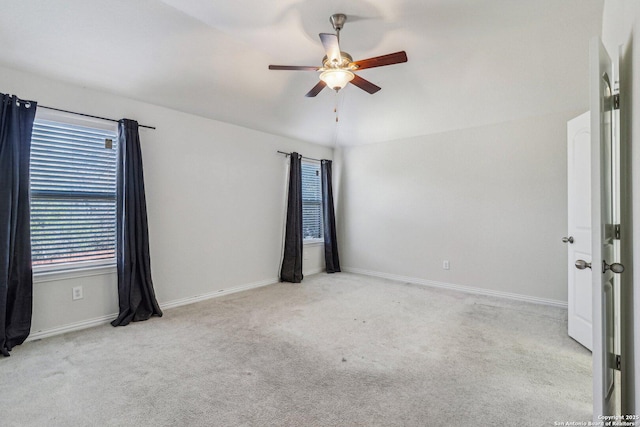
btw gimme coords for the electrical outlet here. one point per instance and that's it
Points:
(445, 264)
(77, 293)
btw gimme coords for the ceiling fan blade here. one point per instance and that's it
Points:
(365, 85)
(293, 67)
(316, 89)
(379, 61)
(331, 47)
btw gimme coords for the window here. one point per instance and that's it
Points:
(311, 202)
(73, 193)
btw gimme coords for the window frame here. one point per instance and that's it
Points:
(58, 271)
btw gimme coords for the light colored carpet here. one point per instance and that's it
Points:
(337, 350)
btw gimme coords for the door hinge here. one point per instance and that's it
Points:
(618, 364)
(616, 101)
(616, 231)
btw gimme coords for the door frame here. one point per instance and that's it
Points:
(604, 378)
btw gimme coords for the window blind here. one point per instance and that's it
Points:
(73, 193)
(311, 201)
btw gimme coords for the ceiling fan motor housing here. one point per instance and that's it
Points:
(345, 61)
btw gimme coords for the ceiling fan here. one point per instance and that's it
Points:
(338, 67)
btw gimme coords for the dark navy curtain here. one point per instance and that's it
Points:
(16, 277)
(291, 270)
(135, 287)
(331, 259)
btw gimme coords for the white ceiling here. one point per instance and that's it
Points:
(471, 62)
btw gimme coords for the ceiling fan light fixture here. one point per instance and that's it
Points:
(336, 79)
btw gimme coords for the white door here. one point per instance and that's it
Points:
(578, 239)
(603, 231)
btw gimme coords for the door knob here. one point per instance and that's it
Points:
(615, 267)
(581, 264)
(567, 239)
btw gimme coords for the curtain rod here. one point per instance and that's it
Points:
(89, 115)
(85, 115)
(308, 158)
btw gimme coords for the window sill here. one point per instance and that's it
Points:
(313, 242)
(48, 274)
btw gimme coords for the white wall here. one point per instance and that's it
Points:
(620, 27)
(215, 196)
(491, 200)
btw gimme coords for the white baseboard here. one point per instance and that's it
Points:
(103, 320)
(76, 326)
(459, 288)
(219, 293)
(312, 272)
